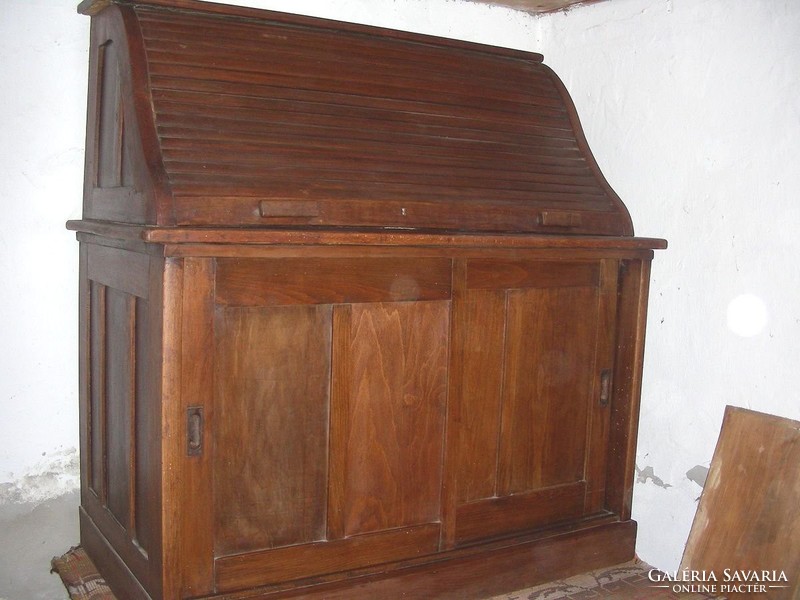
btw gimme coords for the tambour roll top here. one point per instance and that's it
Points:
(210, 115)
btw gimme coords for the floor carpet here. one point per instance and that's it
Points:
(625, 582)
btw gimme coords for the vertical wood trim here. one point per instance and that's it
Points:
(598, 427)
(84, 375)
(101, 453)
(502, 392)
(131, 525)
(171, 426)
(118, 139)
(510, 348)
(631, 320)
(453, 407)
(339, 411)
(197, 391)
(100, 69)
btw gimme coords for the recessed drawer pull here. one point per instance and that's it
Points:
(194, 431)
(605, 387)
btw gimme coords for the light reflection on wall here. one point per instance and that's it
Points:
(747, 315)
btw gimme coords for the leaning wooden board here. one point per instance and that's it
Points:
(747, 527)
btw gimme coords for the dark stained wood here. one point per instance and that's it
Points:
(175, 496)
(119, 393)
(395, 414)
(270, 438)
(303, 561)
(197, 393)
(96, 407)
(544, 419)
(510, 513)
(147, 433)
(482, 320)
(601, 397)
(373, 128)
(122, 493)
(350, 237)
(473, 573)
(326, 350)
(633, 286)
(119, 269)
(530, 439)
(497, 274)
(331, 281)
(749, 514)
(116, 572)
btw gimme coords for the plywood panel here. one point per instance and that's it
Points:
(749, 515)
(270, 426)
(393, 414)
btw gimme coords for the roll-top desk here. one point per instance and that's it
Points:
(360, 316)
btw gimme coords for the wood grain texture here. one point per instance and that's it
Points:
(331, 281)
(473, 573)
(119, 394)
(601, 397)
(97, 420)
(395, 414)
(633, 285)
(270, 430)
(375, 128)
(120, 489)
(196, 365)
(534, 338)
(496, 517)
(309, 560)
(513, 274)
(749, 514)
(147, 433)
(482, 322)
(545, 408)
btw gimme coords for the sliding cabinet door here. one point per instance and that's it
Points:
(328, 414)
(534, 355)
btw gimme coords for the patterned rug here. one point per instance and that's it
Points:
(625, 582)
(80, 576)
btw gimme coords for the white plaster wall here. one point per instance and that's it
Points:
(42, 106)
(692, 110)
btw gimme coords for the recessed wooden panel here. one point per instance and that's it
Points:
(393, 414)
(508, 274)
(265, 282)
(270, 439)
(109, 117)
(147, 433)
(120, 373)
(549, 380)
(484, 337)
(497, 516)
(120, 269)
(97, 421)
(308, 560)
